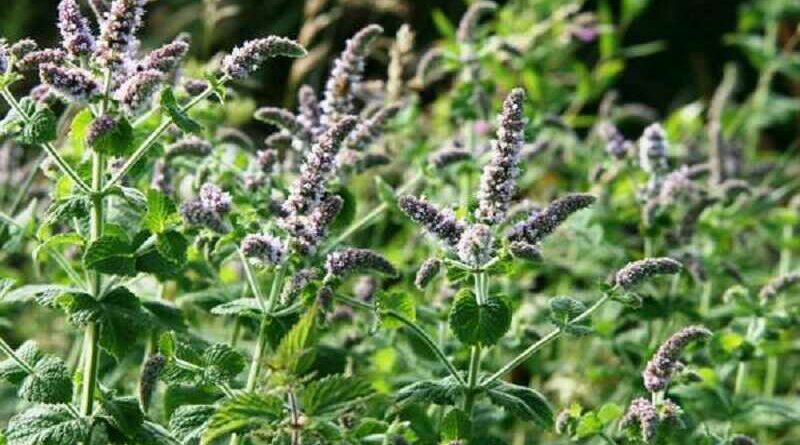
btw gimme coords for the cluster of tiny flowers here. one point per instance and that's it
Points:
(542, 223)
(35, 59)
(193, 146)
(309, 231)
(161, 179)
(266, 248)
(208, 209)
(300, 280)
(3, 58)
(659, 370)
(636, 272)
(475, 246)
(442, 224)
(344, 262)
(741, 439)
(22, 48)
(449, 155)
(469, 21)
(73, 84)
(278, 141)
(653, 147)
(100, 127)
(778, 285)
(346, 76)
(76, 36)
(118, 31)
(427, 272)
(642, 414)
(267, 160)
(428, 67)
(310, 187)
(498, 182)
(676, 184)
(521, 249)
(247, 58)
(367, 132)
(135, 92)
(309, 113)
(150, 374)
(167, 58)
(284, 120)
(615, 143)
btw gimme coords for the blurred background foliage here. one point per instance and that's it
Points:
(687, 42)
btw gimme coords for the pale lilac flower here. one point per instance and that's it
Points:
(636, 272)
(22, 48)
(309, 111)
(427, 272)
(442, 224)
(308, 232)
(298, 282)
(137, 91)
(429, 68)
(284, 120)
(370, 130)
(653, 147)
(265, 248)
(498, 182)
(99, 128)
(342, 263)
(449, 155)
(615, 143)
(214, 198)
(76, 36)
(195, 87)
(365, 288)
(167, 58)
(247, 58)
(643, 415)
(475, 246)
(74, 84)
(659, 370)
(35, 59)
(542, 223)
(162, 177)
(118, 32)
(521, 249)
(267, 160)
(192, 146)
(346, 76)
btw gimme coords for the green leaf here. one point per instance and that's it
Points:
(241, 307)
(161, 212)
(46, 425)
(67, 208)
(609, 412)
(189, 422)
(11, 371)
(565, 309)
(119, 314)
(41, 128)
(117, 141)
(588, 425)
(111, 255)
(50, 382)
(523, 402)
(385, 192)
(473, 323)
(222, 363)
(295, 352)
(439, 392)
(125, 414)
(182, 120)
(78, 128)
(397, 302)
(43, 294)
(332, 393)
(243, 413)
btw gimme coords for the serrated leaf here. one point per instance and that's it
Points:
(222, 363)
(117, 140)
(72, 206)
(330, 394)
(473, 323)
(43, 294)
(161, 212)
(111, 255)
(241, 307)
(41, 128)
(295, 352)
(125, 413)
(50, 383)
(182, 120)
(46, 425)
(189, 422)
(456, 424)
(397, 302)
(243, 413)
(11, 371)
(523, 402)
(165, 315)
(439, 392)
(119, 314)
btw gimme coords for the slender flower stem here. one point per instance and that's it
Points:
(9, 351)
(369, 217)
(153, 137)
(481, 294)
(527, 353)
(414, 327)
(27, 183)
(295, 417)
(47, 146)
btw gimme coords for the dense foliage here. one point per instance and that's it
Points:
(498, 263)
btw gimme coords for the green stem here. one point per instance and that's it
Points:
(47, 146)
(27, 183)
(153, 137)
(481, 294)
(784, 266)
(414, 327)
(554, 334)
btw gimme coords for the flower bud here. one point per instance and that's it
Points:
(659, 370)
(427, 272)
(636, 272)
(344, 262)
(247, 58)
